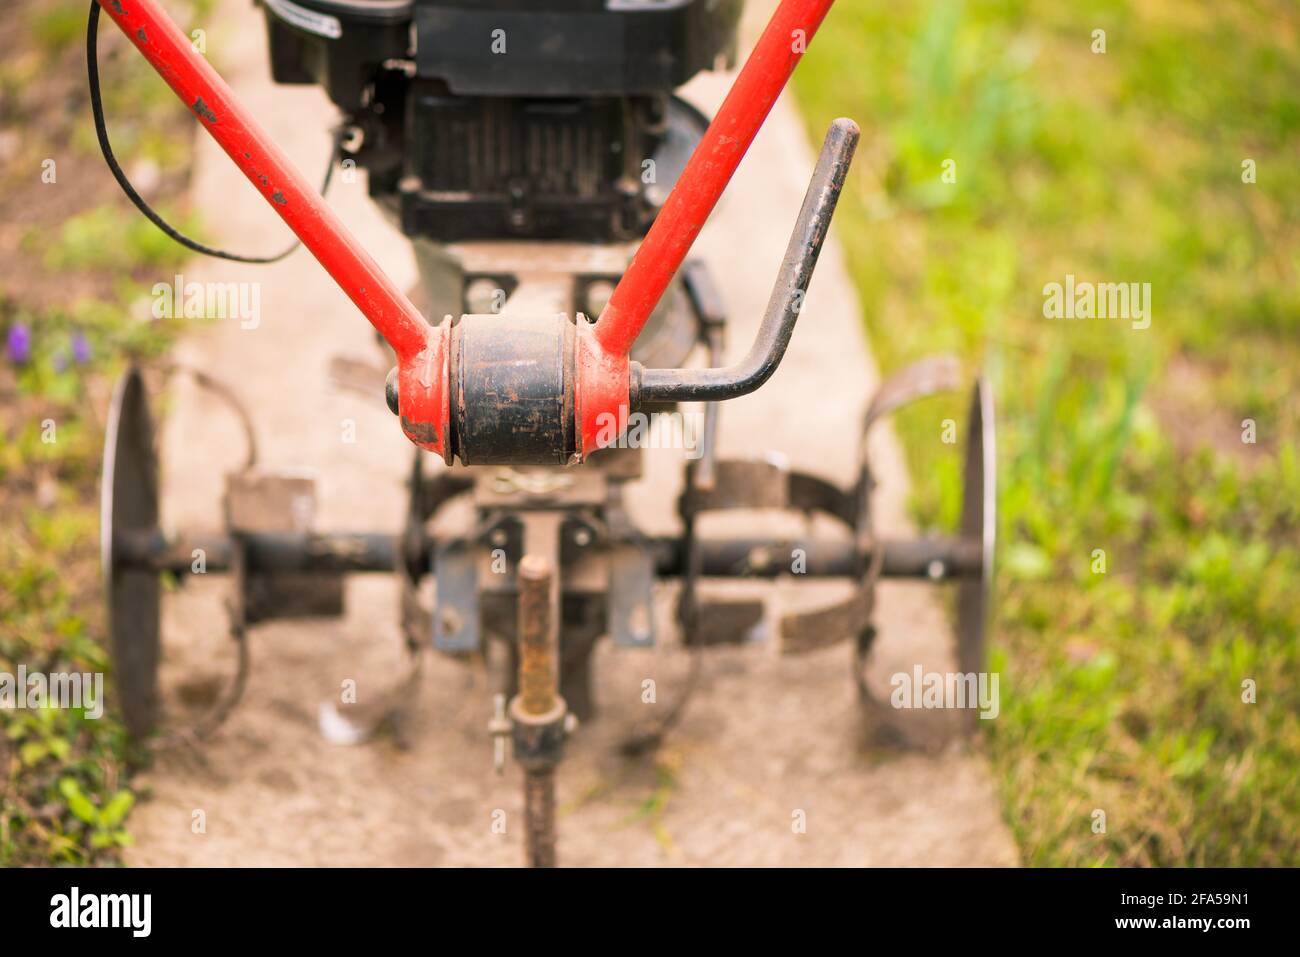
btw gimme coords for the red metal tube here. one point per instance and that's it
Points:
(420, 348)
(691, 201)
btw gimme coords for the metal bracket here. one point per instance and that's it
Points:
(456, 612)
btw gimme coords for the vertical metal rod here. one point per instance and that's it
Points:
(537, 671)
(538, 694)
(706, 470)
(539, 811)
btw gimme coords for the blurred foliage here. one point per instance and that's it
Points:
(58, 764)
(100, 239)
(1122, 690)
(71, 315)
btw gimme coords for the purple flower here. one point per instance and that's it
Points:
(59, 361)
(80, 348)
(19, 344)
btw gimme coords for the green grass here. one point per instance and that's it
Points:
(101, 238)
(1122, 690)
(57, 27)
(66, 778)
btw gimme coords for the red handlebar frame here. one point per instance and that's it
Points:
(602, 377)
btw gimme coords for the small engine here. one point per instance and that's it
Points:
(525, 119)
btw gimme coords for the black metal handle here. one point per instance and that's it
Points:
(691, 385)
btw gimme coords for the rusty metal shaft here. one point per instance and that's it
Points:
(539, 817)
(539, 710)
(537, 652)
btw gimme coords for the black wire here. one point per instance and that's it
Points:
(101, 131)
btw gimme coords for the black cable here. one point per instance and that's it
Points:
(101, 131)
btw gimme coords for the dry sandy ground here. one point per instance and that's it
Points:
(765, 737)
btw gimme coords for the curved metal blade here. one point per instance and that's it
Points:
(979, 520)
(129, 506)
(925, 377)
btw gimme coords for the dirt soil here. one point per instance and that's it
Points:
(765, 737)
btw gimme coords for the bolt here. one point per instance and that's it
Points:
(499, 728)
(390, 390)
(936, 570)
(582, 537)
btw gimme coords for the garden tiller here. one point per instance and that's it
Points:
(552, 184)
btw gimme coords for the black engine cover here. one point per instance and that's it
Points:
(524, 119)
(571, 47)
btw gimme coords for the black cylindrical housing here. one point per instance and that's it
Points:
(512, 396)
